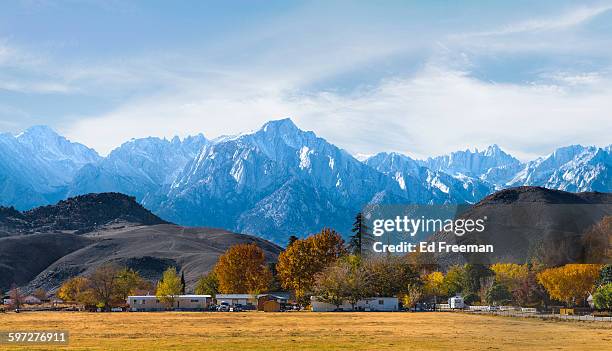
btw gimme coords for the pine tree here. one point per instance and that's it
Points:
(182, 283)
(359, 233)
(291, 240)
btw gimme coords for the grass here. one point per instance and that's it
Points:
(308, 331)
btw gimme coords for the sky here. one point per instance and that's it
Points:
(422, 78)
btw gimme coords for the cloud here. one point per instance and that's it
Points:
(418, 88)
(434, 112)
(571, 18)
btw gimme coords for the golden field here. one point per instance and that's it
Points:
(308, 331)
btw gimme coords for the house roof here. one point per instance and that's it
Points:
(178, 296)
(235, 296)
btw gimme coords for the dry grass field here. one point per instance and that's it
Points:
(308, 331)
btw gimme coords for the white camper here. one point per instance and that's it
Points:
(456, 302)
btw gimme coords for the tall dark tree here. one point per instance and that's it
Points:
(291, 240)
(182, 283)
(359, 237)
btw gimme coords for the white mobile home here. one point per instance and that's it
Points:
(182, 302)
(374, 304)
(236, 299)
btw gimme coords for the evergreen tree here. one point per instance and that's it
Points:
(291, 240)
(360, 231)
(182, 283)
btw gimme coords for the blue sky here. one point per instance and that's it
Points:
(422, 78)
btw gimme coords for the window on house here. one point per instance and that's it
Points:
(381, 302)
(195, 300)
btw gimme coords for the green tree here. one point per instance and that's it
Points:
(474, 276)
(498, 294)
(360, 232)
(169, 287)
(128, 282)
(453, 280)
(603, 297)
(605, 276)
(207, 285)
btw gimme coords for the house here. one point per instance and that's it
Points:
(149, 303)
(246, 300)
(379, 304)
(31, 300)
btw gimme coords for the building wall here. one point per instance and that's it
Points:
(153, 304)
(372, 304)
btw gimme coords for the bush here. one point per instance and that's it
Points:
(603, 297)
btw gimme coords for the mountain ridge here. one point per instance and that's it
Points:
(242, 182)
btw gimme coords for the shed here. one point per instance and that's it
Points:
(271, 306)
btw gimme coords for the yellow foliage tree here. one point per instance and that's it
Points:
(569, 283)
(303, 259)
(434, 284)
(510, 275)
(242, 269)
(76, 290)
(169, 287)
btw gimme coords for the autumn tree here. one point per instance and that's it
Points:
(433, 285)
(208, 284)
(329, 284)
(570, 283)
(346, 279)
(102, 283)
(291, 240)
(75, 290)
(529, 292)
(242, 269)
(597, 242)
(412, 294)
(302, 260)
(169, 287)
(510, 274)
(129, 282)
(16, 296)
(390, 275)
(40, 294)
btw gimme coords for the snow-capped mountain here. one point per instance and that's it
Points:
(572, 168)
(277, 181)
(37, 165)
(139, 167)
(493, 164)
(434, 186)
(278, 178)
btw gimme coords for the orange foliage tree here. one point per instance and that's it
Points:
(242, 269)
(303, 259)
(569, 283)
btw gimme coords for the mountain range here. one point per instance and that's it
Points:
(277, 181)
